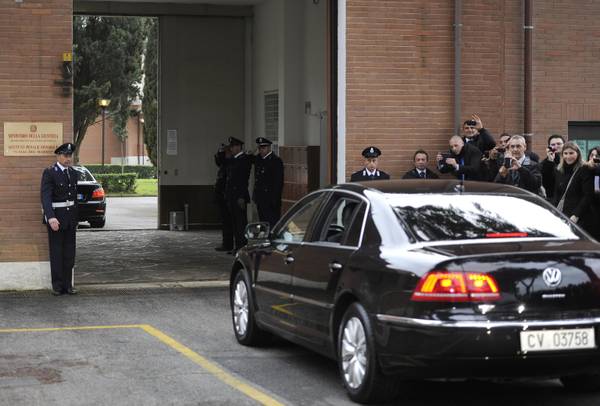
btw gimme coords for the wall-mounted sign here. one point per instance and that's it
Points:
(32, 139)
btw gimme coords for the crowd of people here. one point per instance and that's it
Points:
(566, 178)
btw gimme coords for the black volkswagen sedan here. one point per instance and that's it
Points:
(425, 279)
(91, 199)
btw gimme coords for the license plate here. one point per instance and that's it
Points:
(79, 196)
(557, 340)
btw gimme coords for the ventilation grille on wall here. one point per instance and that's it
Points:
(272, 116)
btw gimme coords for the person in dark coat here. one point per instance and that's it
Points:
(570, 196)
(475, 134)
(463, 160)
(590, 217)
(59, 206)
(370, 171)
(221, 158)
(518, 169)
(550, 163)
(236, 190)
(420, 171)
(268, 182)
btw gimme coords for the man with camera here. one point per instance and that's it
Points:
(420, 170)
(475, 134)
(549, 164)
(463, 160)
(517, 168)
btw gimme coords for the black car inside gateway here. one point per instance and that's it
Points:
(425, 279)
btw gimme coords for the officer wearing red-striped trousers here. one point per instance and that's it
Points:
(59, 205)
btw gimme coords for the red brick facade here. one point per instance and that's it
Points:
(400, 72)
(33, 37)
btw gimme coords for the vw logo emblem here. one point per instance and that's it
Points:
(552, 277)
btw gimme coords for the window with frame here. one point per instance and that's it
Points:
(339, 221)
(296, 226)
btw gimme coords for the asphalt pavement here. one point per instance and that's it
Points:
(177, 347)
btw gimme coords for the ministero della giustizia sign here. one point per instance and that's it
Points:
(32, 139)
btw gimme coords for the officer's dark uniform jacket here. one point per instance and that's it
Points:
(363, 175)
(268, 179)
(58, 191)
(238, 171)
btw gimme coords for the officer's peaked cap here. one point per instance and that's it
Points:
(235, 141)
(262, 141)
(371, 152)
(65, 149)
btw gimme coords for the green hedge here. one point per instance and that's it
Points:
(117, 183)
(143, 172)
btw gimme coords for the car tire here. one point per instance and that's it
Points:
(357, 360)
(98, 223)
(582, 382)
(243, 309)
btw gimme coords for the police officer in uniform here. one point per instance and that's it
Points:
(236, 190)
(59, 205)
(268, 182)
(370, 171)
(221, 158)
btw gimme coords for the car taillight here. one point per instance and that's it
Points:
(98, 194)
(444, 286)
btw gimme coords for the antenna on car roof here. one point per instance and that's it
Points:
(460, 188)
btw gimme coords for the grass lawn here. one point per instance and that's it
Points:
(143, 187)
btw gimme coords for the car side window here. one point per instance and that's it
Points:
(296, 226)
(339, 220)
(353, 235)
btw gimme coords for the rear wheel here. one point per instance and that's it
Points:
(97, 223)
(582, 382)
(243, 310)
(357, 360)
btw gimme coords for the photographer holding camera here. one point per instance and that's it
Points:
(475, 134)
(491, 163)
(550, 163)
(463, 160)
(517, 168)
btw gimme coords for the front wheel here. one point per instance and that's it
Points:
(357, 360)
(582, 382)
(243, 310)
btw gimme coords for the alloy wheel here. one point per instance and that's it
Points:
(354, 353)
(240, 308)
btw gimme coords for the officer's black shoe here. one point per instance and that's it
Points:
(57, 293)
(222, 248)
(72, 291)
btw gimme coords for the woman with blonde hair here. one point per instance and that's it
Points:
(570, 195)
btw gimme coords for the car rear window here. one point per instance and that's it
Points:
(462, 217)
(84, 175)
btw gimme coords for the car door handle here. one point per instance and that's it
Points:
(335, 266)
(289, 260)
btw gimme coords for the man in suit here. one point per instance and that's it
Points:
(477, 135)
(519, 170)
(59, 205)
(370, 171)
(463, 160)
(420, 170)
(221, 158)
(268, 182)
(236, 190)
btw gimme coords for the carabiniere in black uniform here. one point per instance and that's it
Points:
(59, 201)
(371, 155)
(236, 190)
(268, 183)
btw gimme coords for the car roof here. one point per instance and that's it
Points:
(434, 186)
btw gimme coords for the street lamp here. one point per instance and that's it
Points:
(103, 103)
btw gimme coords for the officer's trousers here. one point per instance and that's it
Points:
(239, 220)
(227, 226)
(268, 212)
(62, 257)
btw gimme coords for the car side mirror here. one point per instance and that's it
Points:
(257, 231)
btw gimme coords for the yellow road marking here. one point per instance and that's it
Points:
(209, 366)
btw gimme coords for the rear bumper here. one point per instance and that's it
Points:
(91, 210)
(423, 348)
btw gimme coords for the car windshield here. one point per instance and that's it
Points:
(84, 174)
(463, 217)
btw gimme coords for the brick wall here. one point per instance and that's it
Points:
(400, 72)
(33, 36)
